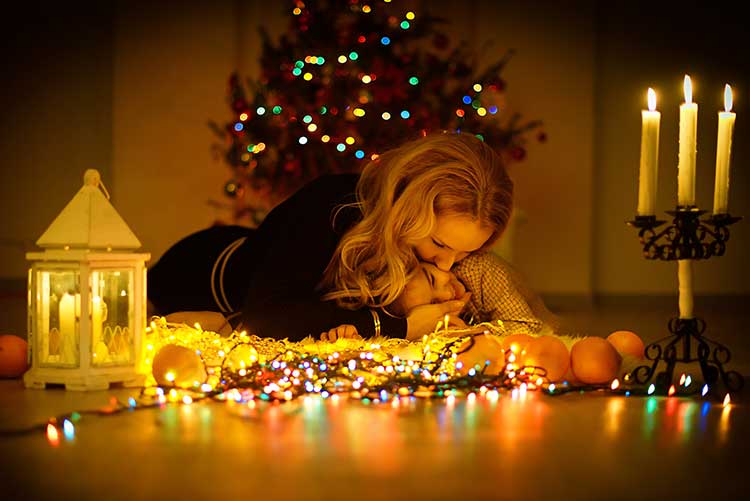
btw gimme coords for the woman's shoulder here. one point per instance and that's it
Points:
(482, 263)
(313, 205)
(338, 185)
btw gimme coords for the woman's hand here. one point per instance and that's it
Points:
(345, 331)
(209, 320)
(423, 319)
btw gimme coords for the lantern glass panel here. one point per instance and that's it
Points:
(112, 317)
(58, 316)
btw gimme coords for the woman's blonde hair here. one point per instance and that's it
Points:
(400, 195)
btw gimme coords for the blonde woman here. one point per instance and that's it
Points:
(342, 249)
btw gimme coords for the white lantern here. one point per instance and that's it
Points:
(86, 297)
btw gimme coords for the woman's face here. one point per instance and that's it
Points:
(454, 238)
(429, 285)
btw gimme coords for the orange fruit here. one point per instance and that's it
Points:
(550, 353)
(594, 360)
(516, 342)
(627, 343)
(13, 356)
(486, 347)
(184, 365)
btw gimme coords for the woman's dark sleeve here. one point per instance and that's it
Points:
(292, 249)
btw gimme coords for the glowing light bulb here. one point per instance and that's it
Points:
(68, 430)
(615, 384)
(53, 437)
(727, 400)
(651, 389)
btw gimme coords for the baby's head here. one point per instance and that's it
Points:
(428, 285)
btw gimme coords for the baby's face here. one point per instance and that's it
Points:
(429, 285)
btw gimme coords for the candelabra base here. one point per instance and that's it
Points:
(687, 333)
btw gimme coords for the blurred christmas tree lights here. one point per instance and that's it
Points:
(349, 80)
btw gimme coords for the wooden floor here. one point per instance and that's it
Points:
(573, 446)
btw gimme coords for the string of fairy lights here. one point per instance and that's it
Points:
(248, 371)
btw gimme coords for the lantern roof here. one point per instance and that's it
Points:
(89, 221)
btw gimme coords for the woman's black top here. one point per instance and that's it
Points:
(281, 263)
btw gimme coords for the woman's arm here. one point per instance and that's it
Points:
(208, 320)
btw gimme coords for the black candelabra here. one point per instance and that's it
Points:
(687, 238)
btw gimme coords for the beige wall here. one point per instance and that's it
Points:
(55, 116)
(131, 92)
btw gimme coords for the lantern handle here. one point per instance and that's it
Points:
(92, 178)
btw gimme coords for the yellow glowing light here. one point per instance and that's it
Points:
(350, 140)
(53, 437)
(243, 117)
(374, 156)
(296, 11)
(727, 98)
(312, 127)
(477, 87)
(342, 59)
(688, 88)
(410, 15)
(307, 76)
(366, 79)
(615, 384)
(366, 9)
(325, 138)
(727, 400)
(386, 115)
(672, 390)
(651, 99)
(359, 112)
(481, 111)
(169, 376)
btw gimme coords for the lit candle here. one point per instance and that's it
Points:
(97, 319)
(649, 157)
(723, 150)
(688, 133)
(69, 311)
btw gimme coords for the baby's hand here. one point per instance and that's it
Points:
(345, 331)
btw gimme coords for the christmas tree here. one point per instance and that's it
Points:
(345, 82)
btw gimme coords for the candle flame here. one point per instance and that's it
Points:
(727, 98)
(688, 86)
(651, 99)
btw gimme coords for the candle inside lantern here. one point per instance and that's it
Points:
(69, 311)
(97, 319)
(723, 150)
(649, 157)
(688, 133)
